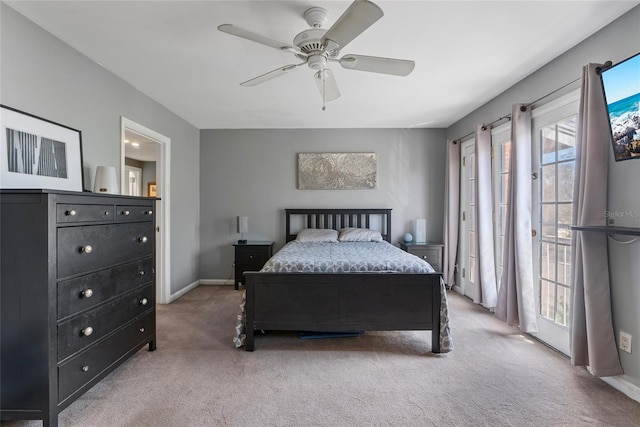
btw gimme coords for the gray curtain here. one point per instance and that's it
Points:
(485, 282)
(516, 298)
(592, 337)
(451, 207)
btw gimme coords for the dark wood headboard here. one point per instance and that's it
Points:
(339, 218)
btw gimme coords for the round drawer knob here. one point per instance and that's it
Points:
(87, 331)
(148, 212)
(125, 213)
(106, 213)
(85, 368)
(141, 273)
(250, 256)
(424, 257)
(141, 329)
(87, 293)
(86, 249)
(143, 239)
(144, 301)
(72, 212)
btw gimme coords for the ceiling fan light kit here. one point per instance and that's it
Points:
(317, 46)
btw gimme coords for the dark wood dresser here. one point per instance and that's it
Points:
(77, 294)
(251, 256)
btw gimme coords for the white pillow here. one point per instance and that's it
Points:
(359, 235)
(317, 235)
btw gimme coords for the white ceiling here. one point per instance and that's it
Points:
(466, 53)
(139, 147)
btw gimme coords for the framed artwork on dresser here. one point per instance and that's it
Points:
(152, 189)
(38, 153)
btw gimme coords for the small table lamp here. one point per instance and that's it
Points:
(243, 227)
(106, 180)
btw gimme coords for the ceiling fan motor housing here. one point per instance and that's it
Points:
(310, 42)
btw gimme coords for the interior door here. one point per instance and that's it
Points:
(133, 183)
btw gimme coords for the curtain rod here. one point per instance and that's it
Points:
(604, 67)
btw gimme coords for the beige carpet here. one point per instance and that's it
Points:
(493, 377)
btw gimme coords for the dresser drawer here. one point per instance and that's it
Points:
(79, 332)
(85, 292)
(92, 247)
(71, 213)
(433, 255)
(134, 213)
(86, 366)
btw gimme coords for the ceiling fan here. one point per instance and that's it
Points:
(317, 47)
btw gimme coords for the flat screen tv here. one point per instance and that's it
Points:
(621, 84)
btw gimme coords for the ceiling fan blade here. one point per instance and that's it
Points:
(246, 34)
(357, 18)
(375, 64)
(327, 85)
(271, 75)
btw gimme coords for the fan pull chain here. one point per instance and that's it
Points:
(324, 82)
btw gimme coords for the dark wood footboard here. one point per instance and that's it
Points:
(342, 302)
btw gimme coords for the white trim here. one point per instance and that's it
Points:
(563, 101)
(624, 386)
(163, 169)
(183, 291)
(505, 127)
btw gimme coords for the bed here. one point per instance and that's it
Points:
(293, 296)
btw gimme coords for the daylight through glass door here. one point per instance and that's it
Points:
(556, 155)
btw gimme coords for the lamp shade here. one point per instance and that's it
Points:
(243, 224)
(420, 230)
(105, 180)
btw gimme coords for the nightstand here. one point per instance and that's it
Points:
(251, 256)
(430, 252)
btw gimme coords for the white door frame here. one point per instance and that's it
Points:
(163, 266)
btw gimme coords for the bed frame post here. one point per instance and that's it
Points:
(436, 299)
(248, 325)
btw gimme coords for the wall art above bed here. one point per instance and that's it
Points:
(337, 171)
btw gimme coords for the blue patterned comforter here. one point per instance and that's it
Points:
(344, 257)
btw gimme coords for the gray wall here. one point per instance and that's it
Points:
(615, 42)
(253, 173)
(44, 76)
(148, 175)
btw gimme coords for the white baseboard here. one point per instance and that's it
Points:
(620, 384)
(216, 282)
(183, 291)
(195, 284)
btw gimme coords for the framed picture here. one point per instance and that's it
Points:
(38, 153)
(337, 171)
(152, 189)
